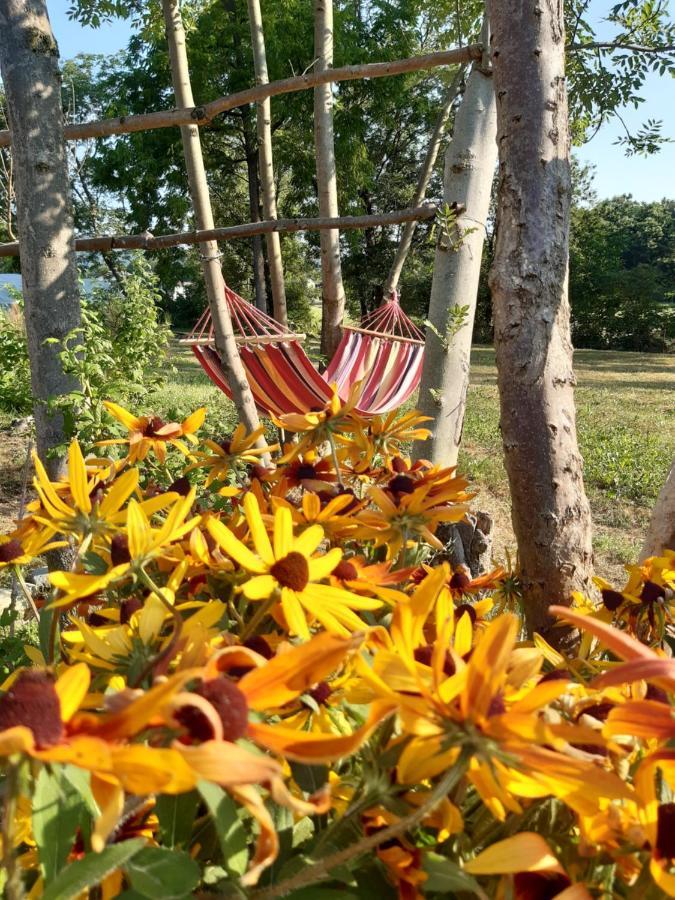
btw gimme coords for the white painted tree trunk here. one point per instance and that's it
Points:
(267, 185)
(332, 290)
(29, 63)
(550, 512)
(661, 532)
(201, 202)
(391, 284)
(469, 171)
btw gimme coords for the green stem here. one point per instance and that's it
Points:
(322, 869)
(26, 593)
(177, 628)
(13, 885)
(336, 462)
(259, 615)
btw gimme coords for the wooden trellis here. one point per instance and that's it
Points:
(189, 118)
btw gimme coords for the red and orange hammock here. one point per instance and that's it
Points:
(384, 355)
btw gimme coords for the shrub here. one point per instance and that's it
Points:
(15, 385)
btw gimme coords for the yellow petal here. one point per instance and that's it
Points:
(283, 532)
(72, 686)
(259, 587)
(234, 548)
(138, 530)
(77, 476)
(261, 541)
(525, 852)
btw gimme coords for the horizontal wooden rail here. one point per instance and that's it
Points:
(148, 241)
(202, 115)
(383, 334)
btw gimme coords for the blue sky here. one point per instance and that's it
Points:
(647, 179)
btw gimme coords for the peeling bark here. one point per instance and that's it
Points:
(201, 202)
(332, 289)
(550, 512)
(469, 171)
(29, 63)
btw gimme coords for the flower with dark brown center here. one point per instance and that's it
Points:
(119, 550)
(291, 571)
(259, 645)
(229, 703)
(598, 711)
(305, 470)
(539, 885)
(226, 445)
(425, 654)
(651, 592)
(611, 599)
(401, 484)
(180, 486)
(320, 693)
(345, 571)
(96, 494)
(128, 607)
(497, 706)
(33, 702)
(153, 426)
(665, 832)
(10, 550)
(460, 582)
(465, 608)
(399, 465)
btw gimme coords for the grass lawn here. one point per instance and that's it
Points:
(626, 420)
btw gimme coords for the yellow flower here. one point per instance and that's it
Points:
(321, 425)
(336, 516)
(241, 448)
(150, 433)
(385, 436)
(24, 545)
(286, 568)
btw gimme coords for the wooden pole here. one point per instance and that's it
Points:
(149, 242)
(332, 289)
(201, 201)
(391, 284)
(202, 115)
(267, 186)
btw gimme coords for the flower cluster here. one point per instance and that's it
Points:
(258, 653)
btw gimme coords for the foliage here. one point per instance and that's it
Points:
(15, 384)
(263, 671)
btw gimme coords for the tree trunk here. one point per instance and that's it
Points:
(550, 512)
(469, 171)
(391, 284)
(332, 290)
(29, 63)
(661, 532)
(268, 187)
(254, 208)
(201, 201)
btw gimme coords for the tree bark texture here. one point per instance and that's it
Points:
(661, 532)
(267, 185)
(201, 202)
(550, 512)
(29, 63)
(470, 162)
(391, 284)
(332, 289)
(251, 152)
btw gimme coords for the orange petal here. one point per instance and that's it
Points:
(617, 641)
(290, 674)
(525, 852)
(228, 764)
(655, 669)
(267, 843)
(315, 747)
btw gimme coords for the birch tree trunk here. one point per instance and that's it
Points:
(391, 284)
(201, 202)
(29, 63)
(550, 512)
(469, 171)
(251, 152)
(661, 532)
(267, 185)
(332, 289)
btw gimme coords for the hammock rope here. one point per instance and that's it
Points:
(384, 353)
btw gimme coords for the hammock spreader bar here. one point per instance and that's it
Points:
(384, 354)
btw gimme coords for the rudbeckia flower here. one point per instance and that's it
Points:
(285, 567)
(21, 547)
(151, 434)
(385, 436)
(242, 448)
(321, 425)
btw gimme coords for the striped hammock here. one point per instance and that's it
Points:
(384, 354)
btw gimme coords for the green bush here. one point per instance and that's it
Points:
(15, 387)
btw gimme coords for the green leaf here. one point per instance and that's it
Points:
(44, 630)
(176, 816)
(81, 781)
(160, 872)
(231, 832)
(90, 870)
(446, 876)
(57, 812)
(309, 778)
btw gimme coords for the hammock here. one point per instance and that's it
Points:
(384, 354)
